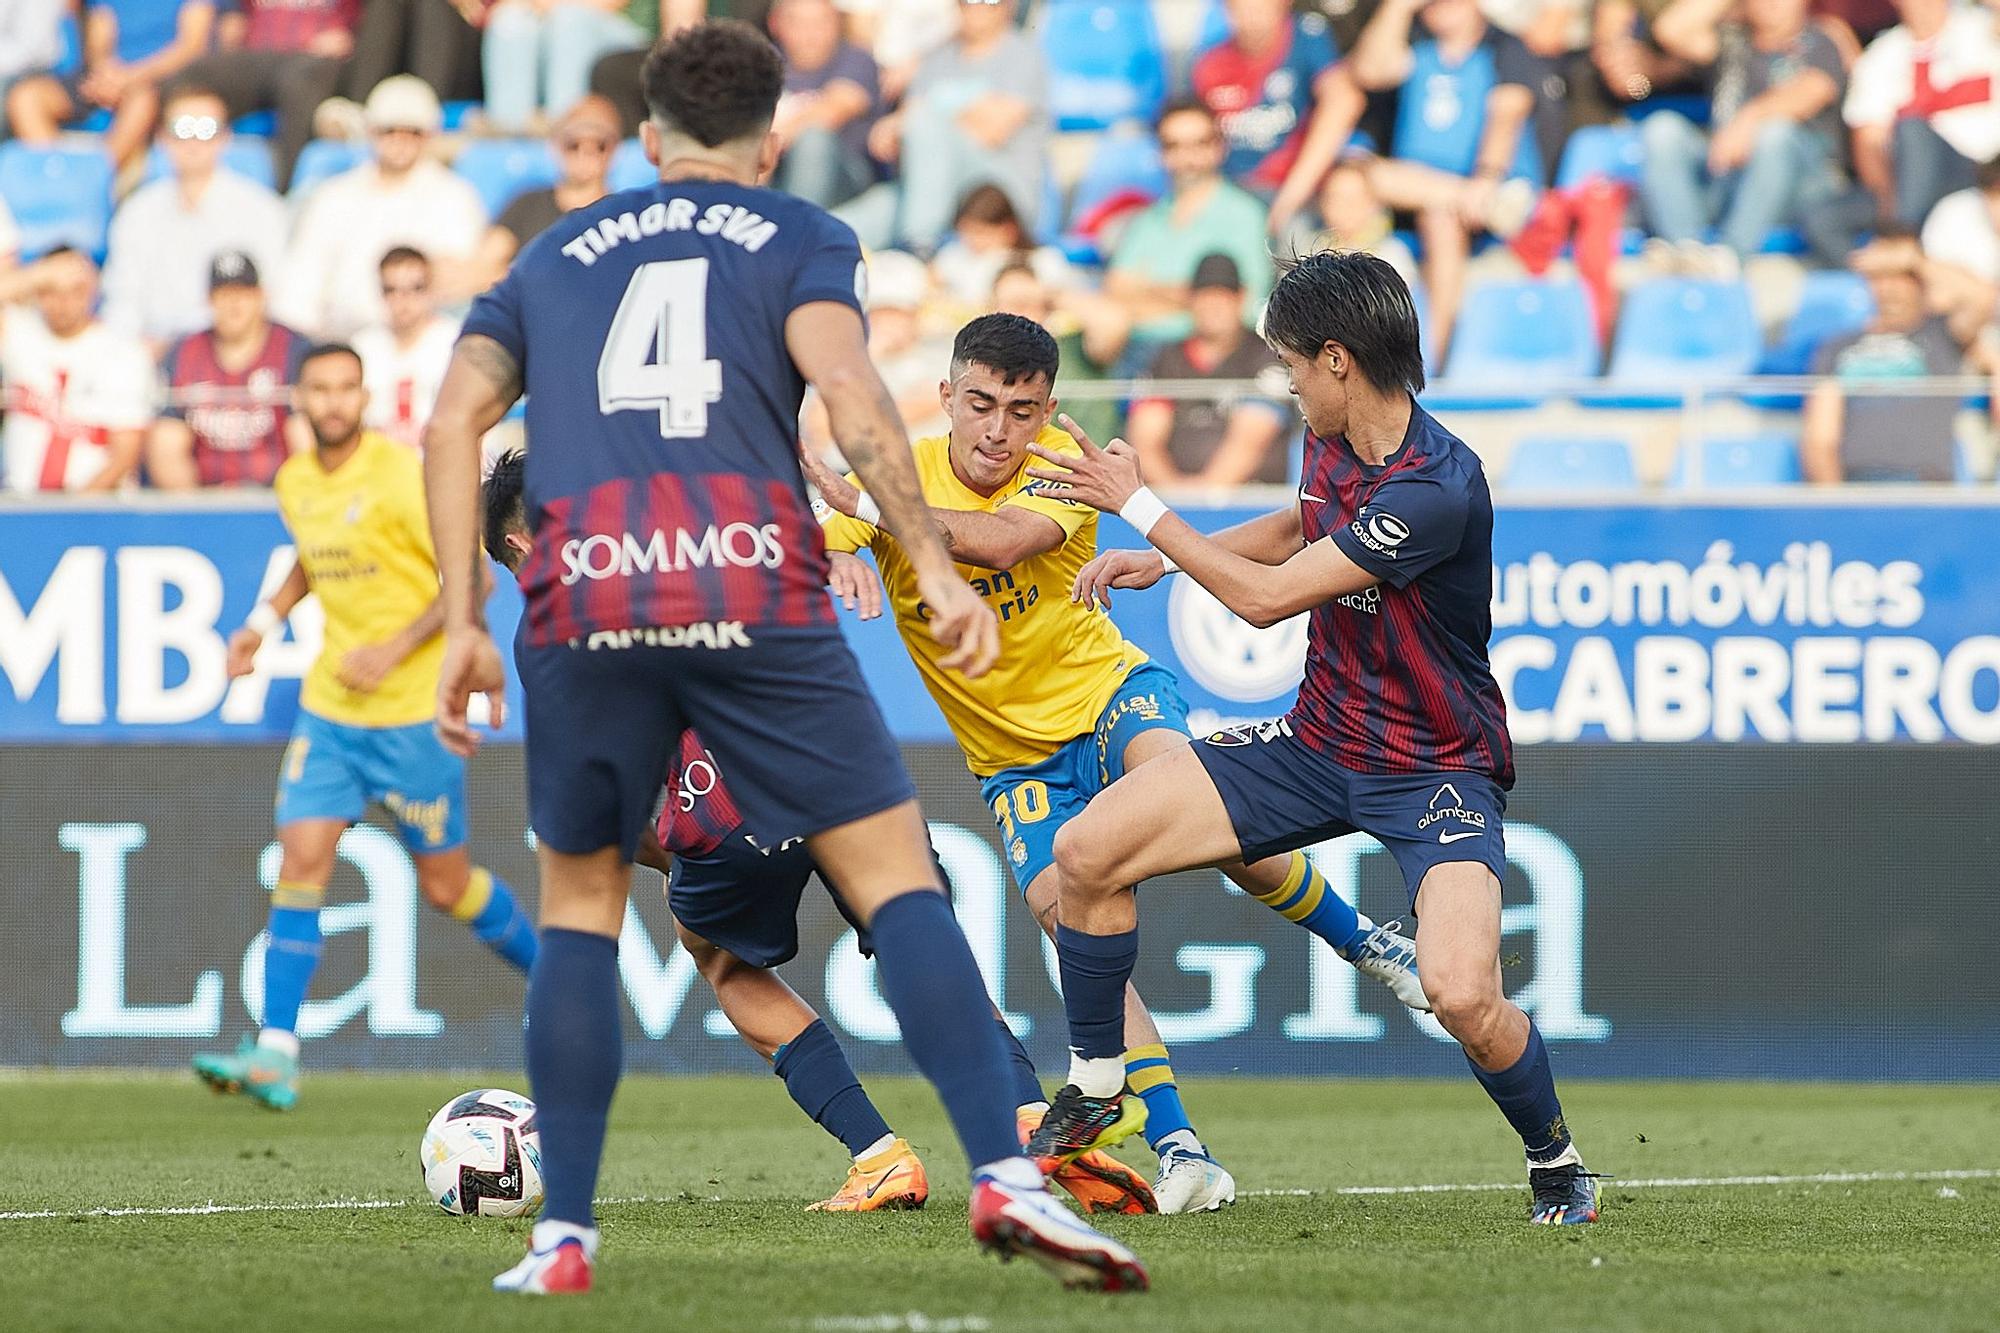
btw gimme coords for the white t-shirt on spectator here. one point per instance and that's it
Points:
(1963, 67)
(64, 398)
(906, 30)
(330, 286)
(1960, 231)
(403, 381)
(156, 268)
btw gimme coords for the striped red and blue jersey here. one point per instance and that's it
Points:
(662, 479)
(699, 815)
(237, 417)
(1397, 679)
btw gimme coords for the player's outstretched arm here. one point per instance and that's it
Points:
(829, 346)
(479, 386)
(1108, 480)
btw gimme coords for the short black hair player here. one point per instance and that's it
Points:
(664, 337)
(1399, 730)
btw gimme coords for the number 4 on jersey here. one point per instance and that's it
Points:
(656, 354)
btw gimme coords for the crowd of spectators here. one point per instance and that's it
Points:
(1427, 132)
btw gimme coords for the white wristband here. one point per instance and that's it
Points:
(867, 510)
(263, 620)
(1168, 561)
(1143, 510)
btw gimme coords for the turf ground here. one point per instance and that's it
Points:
(712, 1172)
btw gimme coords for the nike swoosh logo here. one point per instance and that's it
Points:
(877, 1186)
(1454, 837)
(1314, 498)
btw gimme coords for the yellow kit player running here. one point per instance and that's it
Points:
(355, 509)
(1071, 705)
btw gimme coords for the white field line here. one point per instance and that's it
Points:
(1663, 1182)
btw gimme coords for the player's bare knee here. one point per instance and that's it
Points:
(1466, 1007)
(442, 886)
(1084, 870)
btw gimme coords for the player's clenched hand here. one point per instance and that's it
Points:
(471, 666)
(854, 584)
(961, 622)
(362, 669)
(243, 646)
(1101, 478)
(1117, 569)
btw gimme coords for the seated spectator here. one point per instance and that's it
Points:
(79, 394)
(1460, 158)
(1856, 427)
(1924, 104)
(584, 140)
(976, 113)
(1225, 441)
(1353, 217)
(899, 34)
(281, 55)
(831, 100)
(1091, 332)
(402, 197)
(1774, 129)
(166, 234)
(1261, 82)
(538, 54)
(1961, 240)
(987, 236)
(30, 43)
(228, 418)
(403, 358)
(619, 78)
(1202, 213)
(130, 48)
(1625, 51)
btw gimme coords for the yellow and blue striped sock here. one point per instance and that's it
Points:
(1148, 1074)
(496, 918)
(1306, 898)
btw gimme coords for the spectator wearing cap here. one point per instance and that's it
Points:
(1856, 426)
(403, 358)
(166, 234)
(282, 55)
(1091, 333)
(130, 48)
(1231, 437)
(538, 54)
(79, 394)
(584, 140)
(831, 99)
(1202, 214)
(403, 196)
(228, 419)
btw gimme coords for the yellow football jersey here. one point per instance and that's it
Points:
(1059, 662)
(365, 540)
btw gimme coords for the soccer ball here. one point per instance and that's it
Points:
(481, 1156)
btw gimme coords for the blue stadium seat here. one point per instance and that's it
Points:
(1125, 159)
(1523, 333)
(1105, 60)
(69, 43)
(1832, 302)
(59, 196)
(455, 114)
(1612, 151)
(629, 167)
(1555, 463)
(249, 158)
(1685, 328)
(502, 168)
(264, 123)
(1728, 462)
(323, 158)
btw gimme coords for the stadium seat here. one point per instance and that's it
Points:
(1678, 329)
(455, 114)
(1728, 462)
(263, 123)
(1832, 302)
(59, 196)
(249, 158)
(1105, 61)
(629, 167)
(503, 168)
(323, 158)
(1125, 159)
(1523, 333)
(1552, 463)
(1611, 151)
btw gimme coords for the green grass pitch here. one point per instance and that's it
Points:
(713, 1173)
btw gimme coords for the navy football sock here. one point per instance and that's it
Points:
(1027, 1083)
(1525, 1092)
(1095, 970)
(575, 1050)
(932, 984)
(820, 1080)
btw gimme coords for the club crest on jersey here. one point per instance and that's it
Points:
(1379, 531)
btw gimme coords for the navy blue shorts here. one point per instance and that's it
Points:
(785, 712)
(739, 899)
(1281, 794)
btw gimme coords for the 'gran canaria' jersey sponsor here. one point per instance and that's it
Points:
(365, 541)
(1059, 662)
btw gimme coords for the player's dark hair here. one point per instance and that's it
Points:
(502, 496)
(321, 351)
(402, 254)
(716, 82)
(1353, 299)
(1015, 346)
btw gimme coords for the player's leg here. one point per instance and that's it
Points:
(470, 893)
(1458, 931)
